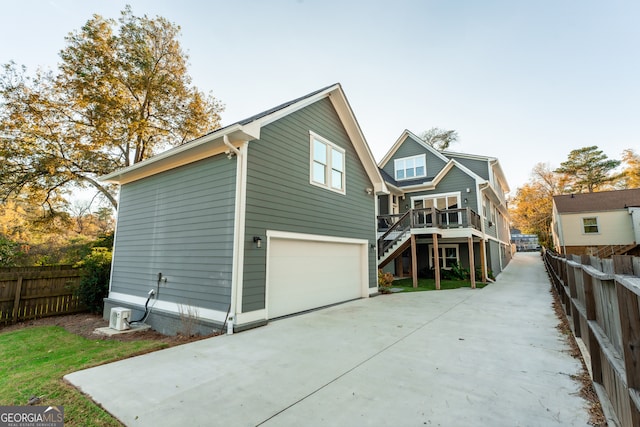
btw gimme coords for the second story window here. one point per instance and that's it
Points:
(327, 164)
(410, 167)
(590, 225)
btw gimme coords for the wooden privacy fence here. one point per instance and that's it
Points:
(34, 292)
(602, 298)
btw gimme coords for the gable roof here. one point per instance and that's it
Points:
(248, 129)
(408, 134)
(492, 161)
(601, 201)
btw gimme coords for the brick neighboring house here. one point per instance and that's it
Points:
(602, 224)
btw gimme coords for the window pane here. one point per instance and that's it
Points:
(319, 175)
(420, 171)
(319, 152)
(410, 173)
(336, 179)
(399, 173)
(337, 160)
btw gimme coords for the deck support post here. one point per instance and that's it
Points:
(436, 260)
(414, 261)
(472, 267)
(483, 260)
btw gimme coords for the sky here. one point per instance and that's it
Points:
(523, 81)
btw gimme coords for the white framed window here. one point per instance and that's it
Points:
(444, 201)
(410, 167)
(327, 164)
(590, 225)
(448, 254)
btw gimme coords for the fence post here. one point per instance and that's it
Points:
(16, 300)
(630, 325)
(592, 341)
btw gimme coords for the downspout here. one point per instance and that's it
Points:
(238, 234)
(231, 312)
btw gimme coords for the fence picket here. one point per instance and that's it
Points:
(34, 292)
(611, 295)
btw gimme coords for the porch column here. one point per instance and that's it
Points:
(483, 259)
(472, 266)
(414, 261)
(436, 260)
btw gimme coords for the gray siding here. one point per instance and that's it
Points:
(480, 167)
(455, 180)
(280, 197)
(180, 223)
(494, 255)
(411, 147)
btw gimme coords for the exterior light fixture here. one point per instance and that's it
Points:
(369, 191)
(258, 241)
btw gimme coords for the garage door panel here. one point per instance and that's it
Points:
(308, 274)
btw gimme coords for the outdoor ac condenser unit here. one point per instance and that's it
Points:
(119, 318)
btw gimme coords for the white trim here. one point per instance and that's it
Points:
(114, 247)
(584, 232)
(408, 134)
(313, 237)
(198, 149)
(237, 273)
(167, 306)
(443, 247)
(365, 291)
(329, 146)
(436, 196)
(250, 316)
(422, 156)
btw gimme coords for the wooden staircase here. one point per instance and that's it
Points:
(611, 250)
(400, 244)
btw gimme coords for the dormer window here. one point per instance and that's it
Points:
(411, 167)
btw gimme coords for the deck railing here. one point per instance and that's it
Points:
(394, 226)
(602, 298)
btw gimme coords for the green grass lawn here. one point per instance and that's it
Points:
(430, 284)
(34, 360)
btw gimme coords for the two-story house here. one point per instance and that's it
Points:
(601, 224)
(444, 208)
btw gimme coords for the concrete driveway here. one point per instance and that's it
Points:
(485, 357)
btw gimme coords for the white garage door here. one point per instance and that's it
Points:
(306, 274)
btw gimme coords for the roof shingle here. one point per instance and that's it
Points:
(601, 201)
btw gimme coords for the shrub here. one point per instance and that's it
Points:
(384, 281)
(9, 252)
(458, 272)
(94, 285)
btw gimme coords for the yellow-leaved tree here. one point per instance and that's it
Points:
(120, 94)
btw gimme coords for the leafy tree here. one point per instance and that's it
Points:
(121, 93)
(9, 252)
(631, 171)
(531, 209)
(440, 139)
(587, 168)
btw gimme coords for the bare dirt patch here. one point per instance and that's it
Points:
(83, 324)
